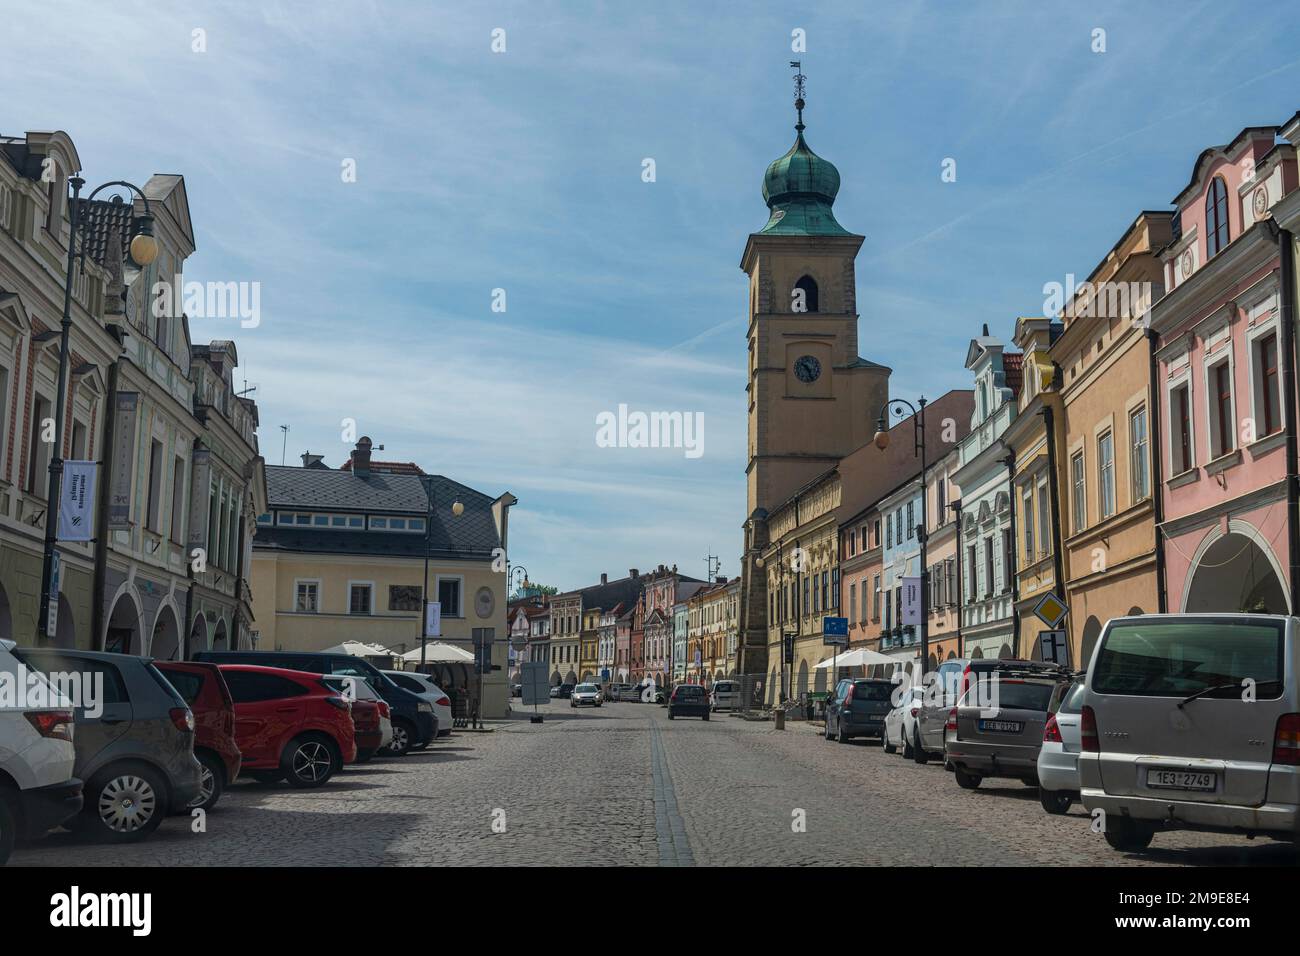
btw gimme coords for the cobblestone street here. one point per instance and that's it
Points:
(623, 785)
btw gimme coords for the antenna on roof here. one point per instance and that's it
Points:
(714, 565)
(285, 444)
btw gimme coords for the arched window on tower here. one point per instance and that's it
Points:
(809, 287)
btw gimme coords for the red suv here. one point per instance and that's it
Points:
(289, 724)
(205, 690)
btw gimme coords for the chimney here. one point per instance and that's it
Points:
(986, 330)
(633, 573)
(361, 457)
(309, 460)
(604, 578)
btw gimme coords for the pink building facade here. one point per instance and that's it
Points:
(1221, 352)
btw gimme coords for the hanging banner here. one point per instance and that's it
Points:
(123, 461)
(911, 601)
(77, 501)
(200, 498)
(433, 619)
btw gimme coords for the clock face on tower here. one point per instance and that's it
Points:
(807, 369)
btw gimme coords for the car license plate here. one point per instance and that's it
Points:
(1181, 780)
(1002, 726)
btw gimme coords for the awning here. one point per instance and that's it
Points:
(859, 657)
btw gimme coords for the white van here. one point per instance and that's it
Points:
(1192, 721)
(37, 789)
(725, 695)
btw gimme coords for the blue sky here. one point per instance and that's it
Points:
(522, 171)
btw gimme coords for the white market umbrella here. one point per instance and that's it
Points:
(858, 657)
(358, 649)
(436, 652)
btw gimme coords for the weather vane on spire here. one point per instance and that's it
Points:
(797, 66)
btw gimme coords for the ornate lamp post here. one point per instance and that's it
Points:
(457, 509)
(143, 251)
(899, 408)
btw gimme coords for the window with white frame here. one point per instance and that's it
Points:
(1264, 369)
(449, 596)
(1027, 517)
(1045, 543)
(1139, 463)
(307, 597)
(361, 597)
(1105, 475)
(1218, 379)
(1078, 492)
(1182, 453)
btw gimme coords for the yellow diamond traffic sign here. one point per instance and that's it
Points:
(1051, 610)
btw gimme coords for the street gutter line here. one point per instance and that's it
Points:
(674, 848)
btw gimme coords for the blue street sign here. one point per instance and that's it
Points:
(835, 627)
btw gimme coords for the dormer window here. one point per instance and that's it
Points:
(804, 298)
(1216, 217)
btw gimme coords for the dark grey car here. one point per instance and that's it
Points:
(1002, 740)
(134, 746)
(858, 709)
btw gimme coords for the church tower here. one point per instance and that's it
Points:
(811, 398)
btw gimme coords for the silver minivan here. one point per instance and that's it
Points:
(1193, 722)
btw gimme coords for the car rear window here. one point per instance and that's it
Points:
(1015, 694)
(187, 683)
(114, 687)
(872, 690)
(690, 690)
(1177, 658)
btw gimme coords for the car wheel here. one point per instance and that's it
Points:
(907, 745)
(918, 752)
(212, 782)
(124, 804)
(403, 738)
(309, 761)
(1127, 835)
(8, 833)
(1055, 802)
(840, 735)
(889, 745)
(967, 781)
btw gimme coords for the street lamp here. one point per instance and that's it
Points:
(782, 606)
(457, 509)
(143, 250)
(899, 408)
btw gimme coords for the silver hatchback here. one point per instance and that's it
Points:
(1193, 722)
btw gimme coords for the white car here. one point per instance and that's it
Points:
(1058, 760)
(585, 694)
(900, 722)
(725, 695)
(36, 754)
(424, 686)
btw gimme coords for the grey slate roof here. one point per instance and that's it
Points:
(291, 488)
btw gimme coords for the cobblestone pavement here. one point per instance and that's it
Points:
(623, 785)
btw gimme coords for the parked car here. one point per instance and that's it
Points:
(516, 690)
(614, 692)
(688, 700)
(1193, 722)
(290, 724)
(367, 724)
(555, 692)
(204, 689)
(566, 690)
(38, 789)
(953, 677)
(900, 722)
(423, 685)
(584, 695)
(1002, 740)
(725, 695)
(414, 722)
(858, 708)
(1058, 759)
(134, 745)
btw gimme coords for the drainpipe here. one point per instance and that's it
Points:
(961, 580)
(1286, 256)
(99, 584)
(1054, 494)
(1157, 470)
(1010, 557)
